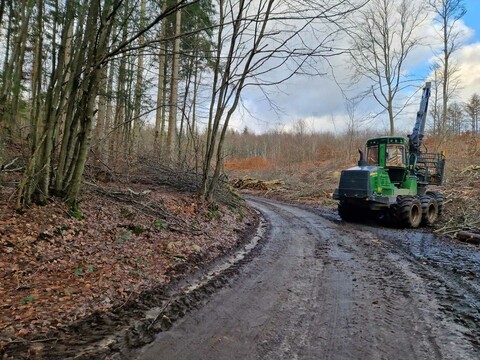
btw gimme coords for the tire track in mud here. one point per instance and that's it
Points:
(448, 268)
(384, 297)
(319, 289)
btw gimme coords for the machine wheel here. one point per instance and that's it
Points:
(439, 197)
(348, 212)
(409, 211)
(429, 210)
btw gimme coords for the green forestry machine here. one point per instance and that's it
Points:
(392, 182)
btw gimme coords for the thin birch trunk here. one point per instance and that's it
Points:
(138, 90)
(172, 116)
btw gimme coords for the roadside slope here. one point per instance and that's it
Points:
(66, 278)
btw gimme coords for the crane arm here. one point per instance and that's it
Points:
(416, 137)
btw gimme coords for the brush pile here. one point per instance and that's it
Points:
(462, 198)
(248, 183)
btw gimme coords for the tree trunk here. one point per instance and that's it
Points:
(10, 91)
(97, 41)
(209, 142)
(159, 115)
(172, 116)
(188, 79)
(445, 78)
(121, 94)
(138, 90)
(2, 9)
(37, 74)
(70, 68)
(100, 124)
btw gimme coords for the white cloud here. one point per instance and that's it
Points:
(468, 60)
(318, 100)
(314, 124)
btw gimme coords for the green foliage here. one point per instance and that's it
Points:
(60, 229)
(126, 213)
(139, 273)
(141, 261)
(125, 235)
(240, 211)
(159, 225)
(90, 268)
(178, 259)
(195, 225)
(76, 213)
(137, 230)
(42, 202)
(27, 299)
(78, 272)
(214, 213)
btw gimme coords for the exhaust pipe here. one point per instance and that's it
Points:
(362, 161)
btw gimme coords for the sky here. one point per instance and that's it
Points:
(472, 18)
(318, 101)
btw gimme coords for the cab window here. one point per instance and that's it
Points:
(395, 156)
(372, 155)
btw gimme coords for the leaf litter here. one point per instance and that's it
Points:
(57, 269)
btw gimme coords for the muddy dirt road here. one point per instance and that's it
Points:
(323, 289)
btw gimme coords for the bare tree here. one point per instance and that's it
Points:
(387, 31)
(448, 13)
(172, 115)
(88, 80)
(354, 124)
(10, 89)
(435, 107)
(139, 84)
(161, 93)
(256, 39)
(472, 108)
(455, 118)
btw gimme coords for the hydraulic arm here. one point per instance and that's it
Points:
(416, 137)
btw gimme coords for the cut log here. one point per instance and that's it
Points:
(469, 237)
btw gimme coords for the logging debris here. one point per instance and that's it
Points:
(461, 211)
(256, 184)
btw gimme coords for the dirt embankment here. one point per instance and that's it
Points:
(63, 273)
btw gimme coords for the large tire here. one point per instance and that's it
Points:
(348, 212)
(429, 210)
(409, 211)
(439, 197)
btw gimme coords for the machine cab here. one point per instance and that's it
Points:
(390, 153)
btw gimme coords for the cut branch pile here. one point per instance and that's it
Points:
(181, 180)
(256, 184)
(462, 212)
(175, 176)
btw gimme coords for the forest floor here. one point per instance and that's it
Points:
(59, 268)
